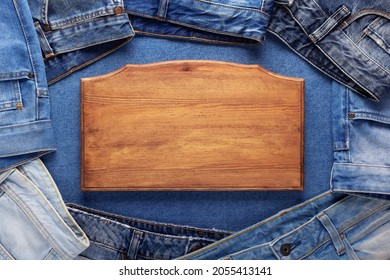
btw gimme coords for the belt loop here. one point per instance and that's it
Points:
(334, 234)
(134, 245)
(45, 46)
(162, 9)
(341, 13)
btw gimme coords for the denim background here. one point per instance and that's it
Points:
(233, 210)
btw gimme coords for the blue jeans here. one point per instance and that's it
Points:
(26, 130)
(115, 237)
(361, 133)
(346, 39)
(34, 222)
(74, 34)
(330, 226)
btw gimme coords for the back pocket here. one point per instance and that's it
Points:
(10, 94)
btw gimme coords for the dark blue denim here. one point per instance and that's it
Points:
(114, 237)
(75, 33)
(348, 40)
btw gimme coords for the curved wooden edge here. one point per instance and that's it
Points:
(196, 63)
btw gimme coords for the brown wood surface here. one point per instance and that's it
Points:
(192, 125)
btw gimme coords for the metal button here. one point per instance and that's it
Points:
(351, 115)
(118, 10)
(285, 249)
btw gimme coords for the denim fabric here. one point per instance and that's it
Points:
(26, 130)
(34, 222)
(114, 237)
(347, 39)
(361, 133)
(329, 226)
(75, 33)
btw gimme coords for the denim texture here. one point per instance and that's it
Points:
(347, 39)
(74, 34)
(34, 222)
(361, 133)
(115, 237)
(26, 130)
(330, 226)
(230, 211)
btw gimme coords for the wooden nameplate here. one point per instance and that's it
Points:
(192, 125)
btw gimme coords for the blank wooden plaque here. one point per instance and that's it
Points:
(192, 125)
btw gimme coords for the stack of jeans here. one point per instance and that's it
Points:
(42, 41)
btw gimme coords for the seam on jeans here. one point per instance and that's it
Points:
(70, 71)
(372, 95)
(88, 18)
(371, 117)
(44, 11)
(21, 22)
(25, 208)
(361, 164)
(198, 27)
(365, 12)
(350, 251)
(231, 7)
(108, 246)
(73, 222)
(325, 71)
(41, 151)
(194, 38)
(276, 216)
(86, 211)
(89, 45)
(262, 6)
(24, 125)
(364, 53)
(356, 192)
(25, 160)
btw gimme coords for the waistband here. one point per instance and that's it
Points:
(140, 239)
(319, 37)
(234, 20)
(336, 220)
(74, 36)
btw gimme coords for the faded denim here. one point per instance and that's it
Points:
(34, 222)
(349, 40)
(361, 143)
(75, 33)
(331, 226)
(114, 237)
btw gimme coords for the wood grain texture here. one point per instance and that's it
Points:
(192, 125)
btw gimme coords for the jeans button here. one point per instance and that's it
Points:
(285, 249)
(118, 10)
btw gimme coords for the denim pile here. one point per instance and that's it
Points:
(42, 41)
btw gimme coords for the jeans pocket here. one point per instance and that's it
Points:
(10, 95)
(4, 254)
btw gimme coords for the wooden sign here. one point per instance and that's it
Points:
(192, 125)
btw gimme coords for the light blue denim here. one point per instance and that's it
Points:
(361, 143)
(26, 130)
(330, 226)
(34, 222)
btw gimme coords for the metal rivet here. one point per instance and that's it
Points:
(19, 107)
(46, 28)
(351, 115)
(285, 249)
(30, 75)
(118, 10)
